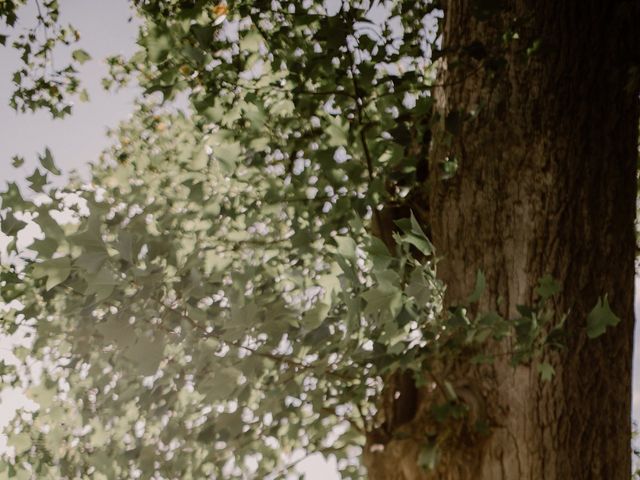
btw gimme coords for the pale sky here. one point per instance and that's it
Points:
(79, 139)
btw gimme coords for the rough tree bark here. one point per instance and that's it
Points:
(546, 184)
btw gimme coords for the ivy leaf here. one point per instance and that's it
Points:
(56, 270)
(600, 318)
(46, 161)
(80, 56)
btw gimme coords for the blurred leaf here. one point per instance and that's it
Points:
(56, 270)
(478, 289)
(81, 56)
(546, 371)
(600, 318)
(10, 225)
(17, 161)
(46, 161)
(37, 181)
(547, 287)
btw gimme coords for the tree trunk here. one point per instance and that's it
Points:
(544, 129)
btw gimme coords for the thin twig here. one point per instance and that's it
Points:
(363, 137)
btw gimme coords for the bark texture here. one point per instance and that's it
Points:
(544, 129)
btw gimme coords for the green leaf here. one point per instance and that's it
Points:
(21, 442)
(158, 46)
(10, 225)
(221, 384)
(80, 56)
(318, 336)
(414, 235)
(12, 197)
(600, 318)
(346, 247)
(379, 300)
(46, 161)
(338, 133)
(546, 371)
(478, 289)
(200, 160)
(49, 226)
(428, 456)
(526, 311)
(416, 228)
(92, 261)
(125, 246)
(146, 354)
(482, 359)
(422, 244)
(379, 254)
(17, 161)
(89, 239)
(56, 270)
(547, 287)
(251, 41)
(42, 394)
(118, 332)
(101, 283)
(228, 155)
(45, 247)
(314, 317)
(37, 181)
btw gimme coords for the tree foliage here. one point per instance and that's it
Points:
(216, 297)
(39, 83)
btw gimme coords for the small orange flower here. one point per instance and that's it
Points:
(220, 9)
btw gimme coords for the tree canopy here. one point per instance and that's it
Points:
(227, 289)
